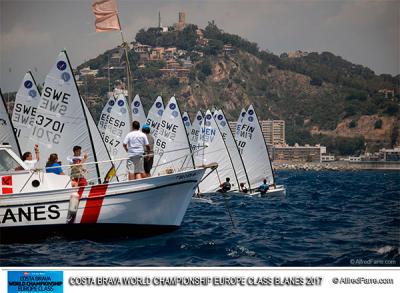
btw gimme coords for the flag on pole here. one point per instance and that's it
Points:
(106, 15)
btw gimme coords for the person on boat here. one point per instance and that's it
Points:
(149, 156)
(263, 188)
(135, 144)
(226, 186)
(243, 188)
(53, 165)
(77, 170)
(29, 162)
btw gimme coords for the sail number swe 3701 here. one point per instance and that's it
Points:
(48, 128)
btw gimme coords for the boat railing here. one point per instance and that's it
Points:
(115, 166)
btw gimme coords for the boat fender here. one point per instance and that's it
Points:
(73, 207)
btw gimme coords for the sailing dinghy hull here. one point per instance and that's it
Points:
(141, 207)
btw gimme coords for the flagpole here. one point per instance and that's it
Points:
(128, 72)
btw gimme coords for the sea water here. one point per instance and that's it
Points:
(326, 219)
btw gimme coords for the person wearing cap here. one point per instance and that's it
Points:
(149, 155)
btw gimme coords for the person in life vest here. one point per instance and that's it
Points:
(226, 186)
(53, 165)
(263, 188)
(77, 170)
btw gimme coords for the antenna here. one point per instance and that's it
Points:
(159, 19)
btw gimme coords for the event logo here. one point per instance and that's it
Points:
(36, 281)
(158, 105)
(61, 65)
(208, 117)
(251, 119)
(111, 103)
(223, 123)
(243, 113)
(135, 110)
(120, 103)
(136, 103)
(187, 124)
(172, 106)
(199, 118)
(160, 112)
(175, 113)
(185, 118)
(251, 112)
(28, 84)
(32, 93)
(220, 117)
(65, 76)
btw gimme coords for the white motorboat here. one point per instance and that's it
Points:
(35, 203)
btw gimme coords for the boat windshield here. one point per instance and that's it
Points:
(7, 162)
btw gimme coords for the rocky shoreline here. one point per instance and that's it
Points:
(337, 166)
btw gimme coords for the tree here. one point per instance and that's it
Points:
(173, 83)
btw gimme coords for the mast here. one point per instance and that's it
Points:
(125, 45)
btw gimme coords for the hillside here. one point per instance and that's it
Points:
(322, 97)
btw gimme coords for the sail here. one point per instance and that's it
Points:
(114, 126)
(186, 122)
(23, 116)
(212, 149)
(7, 134)
(154, 115)
(61, 121)
(239, 122)
(171, 146)
(233, 150)
(137, 111)
(195, 130)
(253, 149)
(100, 148)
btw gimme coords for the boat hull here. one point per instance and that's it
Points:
(141, 207)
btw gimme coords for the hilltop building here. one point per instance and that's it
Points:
(181, 24)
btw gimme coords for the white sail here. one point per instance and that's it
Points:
(253, 149)
(154, 115)
(171, 146)
(239, 122)
(233, 150)
(23, 116)
(195, 130)
(100, 148)
(212, 149)
(114, 126)
(61, 120)
(7, 134)
(137, 111)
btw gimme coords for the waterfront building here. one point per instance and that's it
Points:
(296, 153)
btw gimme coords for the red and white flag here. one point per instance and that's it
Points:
(106, 15)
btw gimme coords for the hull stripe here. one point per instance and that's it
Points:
(93, 204)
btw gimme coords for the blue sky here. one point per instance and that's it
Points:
(361, 31)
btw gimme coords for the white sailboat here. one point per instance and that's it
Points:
(212, 149)
(138, 113)
(24, 112)
(254, 152)
(233, 150)
(154, 116)
(7, 134)
(62, 121)
(35, 204)
(171, 146)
